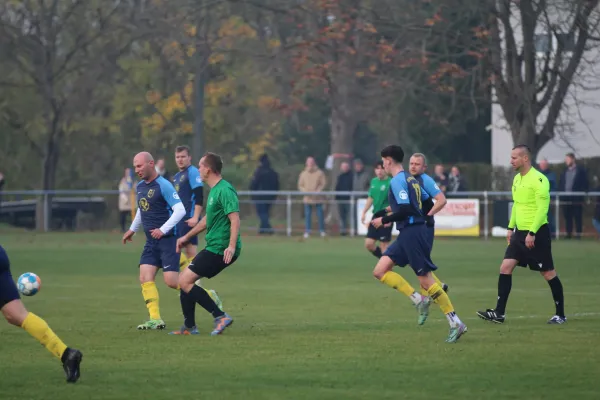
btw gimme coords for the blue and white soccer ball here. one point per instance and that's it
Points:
(29, 284)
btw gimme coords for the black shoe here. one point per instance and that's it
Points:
(71, 359)
(491, 315)
(445, 287)
(557, 320)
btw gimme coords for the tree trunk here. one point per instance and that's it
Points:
(199, 85)
(44, 204)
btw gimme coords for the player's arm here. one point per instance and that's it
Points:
(513, 218)
(403, 207)
(197, 188)
(197, 229)
(134, 227)
(234, 219)
(434, 192)
(367, 207)
(542, 203)
(172, 199)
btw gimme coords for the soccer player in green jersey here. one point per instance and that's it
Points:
(528, 235)
(378, 199)
(223, 242)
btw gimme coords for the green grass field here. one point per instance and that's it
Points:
(310, 323)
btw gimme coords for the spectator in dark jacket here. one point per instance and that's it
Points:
(344, 184)
(573, 179)
(545, 169)
(265, 179)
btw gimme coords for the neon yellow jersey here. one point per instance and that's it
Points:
(531, 197)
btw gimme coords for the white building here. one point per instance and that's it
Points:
(580, 136)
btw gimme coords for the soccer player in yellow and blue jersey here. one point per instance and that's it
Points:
(412, 245)
(528, 235)
(159, 211)
(15, 313)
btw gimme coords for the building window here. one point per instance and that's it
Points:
(543, 43)
(567, 41)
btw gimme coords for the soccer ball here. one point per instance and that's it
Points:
(29, 284)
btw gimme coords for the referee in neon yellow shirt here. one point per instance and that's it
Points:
(529, 241)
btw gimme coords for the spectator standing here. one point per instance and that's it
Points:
(545, 169)
(161, 169)
(440, 177)
(344, 183)
(265, 179)
(312, 179)
(125, 185)
(456, 182)
(573, 179)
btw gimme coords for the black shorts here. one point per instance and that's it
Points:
(207, 264)
(382, 234)
(537, 259)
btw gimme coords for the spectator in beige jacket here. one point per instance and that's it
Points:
(125, 185)
(312, 179)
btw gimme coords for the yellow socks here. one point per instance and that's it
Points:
(440, 298)
(436, 279)
(150, 294)
(183, 261)
(397, 282)
(39, 329)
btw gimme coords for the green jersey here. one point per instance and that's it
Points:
(222, 201)
(379, 193)
(531, 200)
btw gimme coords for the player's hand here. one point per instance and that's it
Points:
(530, 241)
(509, 233)
(181, 242)
(192, 222)
(156, 233)
(388, 209)
(377, 222)
(127, 236)
(228, 254)
(388, 225)
(362, 219)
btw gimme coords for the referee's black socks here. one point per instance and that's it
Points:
(557, 294)
(504, 286)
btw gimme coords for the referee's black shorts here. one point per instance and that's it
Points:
(537, 259)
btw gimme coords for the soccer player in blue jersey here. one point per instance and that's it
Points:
(431, 191)
(412, 245)
(189, 188)
(159, 211)
(16, 314)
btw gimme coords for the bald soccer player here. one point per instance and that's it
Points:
(159, 211)
(528, 235)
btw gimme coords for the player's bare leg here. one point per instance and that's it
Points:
(371, 246)
(150, 293)
(497, 315)
(188, 281)
(16, 314)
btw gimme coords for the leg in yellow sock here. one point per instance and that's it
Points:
(39, 329)
(150, 294)
(183, 261)
(440, 298)
(397, 282)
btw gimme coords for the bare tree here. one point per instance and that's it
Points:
(58, 52)
(537, 55)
